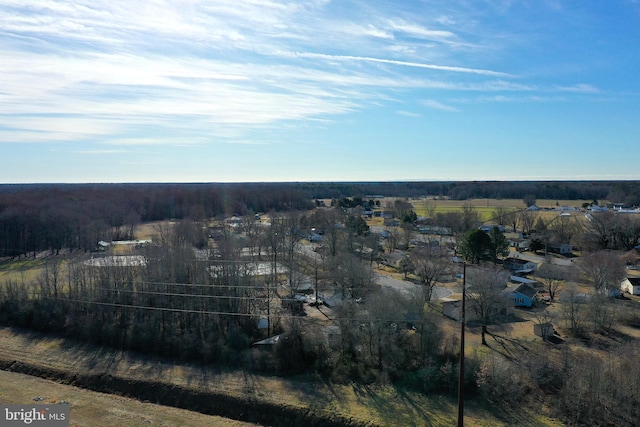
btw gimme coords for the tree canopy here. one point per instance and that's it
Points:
(475, 246)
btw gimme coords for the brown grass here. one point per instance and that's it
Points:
(379, 405)
(89, 408)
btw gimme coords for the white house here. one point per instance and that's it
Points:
(631, 285)
(520, 265)
(520, 244)
(560, 248)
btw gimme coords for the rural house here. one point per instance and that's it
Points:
(520, 244)
(522, 296)
(631, 285)
(560, 248)
(520, 265)
(393, 259)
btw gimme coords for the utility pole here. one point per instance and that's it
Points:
(461, 368)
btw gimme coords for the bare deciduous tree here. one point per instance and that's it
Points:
(604, 270)
(573, 308)
(485, 296)
(553, 276)
(470, 217)
(527, 220)
(429, 265)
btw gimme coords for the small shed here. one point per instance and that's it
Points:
(452, 309)
(544, 330)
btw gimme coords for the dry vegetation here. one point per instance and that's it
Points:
(93, 409)
(378, 405)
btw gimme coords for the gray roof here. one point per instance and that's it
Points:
(526, 290)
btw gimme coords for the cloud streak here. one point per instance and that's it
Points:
(159, 72)
(394, 62)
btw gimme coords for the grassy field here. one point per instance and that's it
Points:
(487, 207)
(380, 405)
(92, 409)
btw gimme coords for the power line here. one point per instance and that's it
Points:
(135, 291)
(222, 313)
(173, 310)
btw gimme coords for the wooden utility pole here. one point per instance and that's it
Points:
(461, 373)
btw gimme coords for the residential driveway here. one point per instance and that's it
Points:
(404, 286)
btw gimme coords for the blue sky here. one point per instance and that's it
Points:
(318, 90)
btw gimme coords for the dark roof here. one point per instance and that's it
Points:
(520, 261)
(635, 281)
(526, 290)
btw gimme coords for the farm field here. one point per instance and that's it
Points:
(487, 207)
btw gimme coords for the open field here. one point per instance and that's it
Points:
(377, 405)
(93, 409)
(487, 207)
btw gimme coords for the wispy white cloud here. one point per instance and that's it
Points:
(100, 152)
(419, 31)
(111, 70)
(579, 88)
(437, 105)
(408, 113)
(393, 62)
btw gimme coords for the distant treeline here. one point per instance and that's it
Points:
(37, 217)
(627, 192)
(52, 217)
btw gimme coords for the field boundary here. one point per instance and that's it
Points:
(205, 402)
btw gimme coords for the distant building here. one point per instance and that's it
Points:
(520, 265)
(520, 244)
(560, 248)
(487, 228)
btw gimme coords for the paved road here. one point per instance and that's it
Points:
(401, 285)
